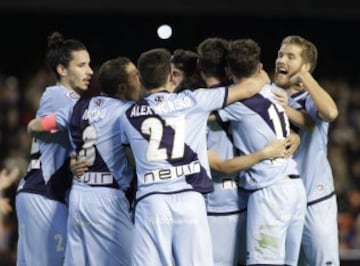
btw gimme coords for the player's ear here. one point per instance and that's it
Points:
(171, 77)
(171, 81)
(61, 70)
(306, 67)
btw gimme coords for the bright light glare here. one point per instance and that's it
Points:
(164, 32)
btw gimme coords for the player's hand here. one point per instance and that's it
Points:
(299, 79)
(5, 207)
(275, 149)
(292, 143)
(78, 167)
(258, 81)
(7, 178)
(281, 97)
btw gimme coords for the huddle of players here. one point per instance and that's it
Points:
(252, 204)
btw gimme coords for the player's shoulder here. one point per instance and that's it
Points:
(60, 92)
(208, 91)
(112, 104)
(268, 90)
(206, 98)
(300, 96)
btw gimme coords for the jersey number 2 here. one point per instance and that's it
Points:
(155, 130)
(87, 151)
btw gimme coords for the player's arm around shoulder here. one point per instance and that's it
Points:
(247, 88)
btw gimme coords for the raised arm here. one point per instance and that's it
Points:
(247, 88)
(326, 106)
(273, 149)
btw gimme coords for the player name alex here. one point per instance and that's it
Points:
(164, 107)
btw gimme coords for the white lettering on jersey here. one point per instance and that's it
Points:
(154, 128)
(94, 178)
(93, 114)
(172, 172)
(229, 183)
(171, 106)
(140, 110)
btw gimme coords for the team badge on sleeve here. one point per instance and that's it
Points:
(73, 95)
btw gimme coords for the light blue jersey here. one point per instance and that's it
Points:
(320, 244)
(255, 122)
(226, 205)
(311, 155)
(225, 198)
(48, 173)
(276, 207)
(167, 134)
(99, 226)
(95, 133)
(42, 193)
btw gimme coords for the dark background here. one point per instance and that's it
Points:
(114, 27)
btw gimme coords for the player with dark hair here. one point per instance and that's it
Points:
(41, 200)
(184, 69)
(99, 226)
(227, 205)
(277, 200)
(166, 132)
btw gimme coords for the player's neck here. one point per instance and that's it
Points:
(67, 86)
(168, 86)
(160, 89)
(211, 81)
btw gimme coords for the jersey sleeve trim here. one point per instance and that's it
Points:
(218, 117)
(225, 97)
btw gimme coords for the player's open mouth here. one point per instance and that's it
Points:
(281, 71)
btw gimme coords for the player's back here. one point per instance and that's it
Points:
(255, 122)
(98, 196)
(225, 197)
(95, 132)
(167, 133)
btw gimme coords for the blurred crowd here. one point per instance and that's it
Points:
(19, 100)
